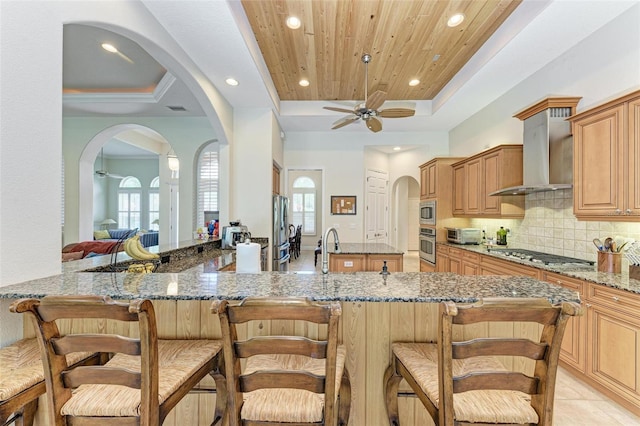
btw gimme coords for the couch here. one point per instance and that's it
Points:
(147, 238)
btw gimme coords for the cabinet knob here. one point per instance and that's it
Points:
(588, 305)
(628, 211)
(615, 298)
(559, 281)
(618, 211)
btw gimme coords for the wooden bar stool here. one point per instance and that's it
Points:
(465, 383)
(287, 380)
(145, 377)
(22, 379)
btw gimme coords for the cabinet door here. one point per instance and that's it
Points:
(375, 262)
(491, 266)
(473, 172)
(459, 189)
(633, 205)
(491, 175)
(432, 180)
(597, 163)
(574, 341)
(347, 262)
(275, 180)
(424, 181)
(614, 348)
(455, 265)
(442, 262)
(426, 267)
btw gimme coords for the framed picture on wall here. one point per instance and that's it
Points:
(343, 204)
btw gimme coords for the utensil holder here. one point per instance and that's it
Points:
(634, 272)
(609, 262)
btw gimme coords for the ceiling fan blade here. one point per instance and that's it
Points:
(376, 100)
(115, 176)
(374, 124)
(343, 122)
(348, 111)
(396, 113)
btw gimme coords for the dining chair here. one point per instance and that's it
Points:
(144, 378)
(467, 382)
(286, 380)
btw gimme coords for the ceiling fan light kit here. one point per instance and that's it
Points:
(368, 110)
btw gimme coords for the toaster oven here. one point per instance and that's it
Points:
(464, 235)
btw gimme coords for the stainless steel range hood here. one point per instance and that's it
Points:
(547, 150)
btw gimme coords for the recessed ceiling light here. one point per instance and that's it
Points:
(414, 82)
(303, 82)
(293, 22)
(455, 20)
(231, 82)
(109, 48)
(396, 148)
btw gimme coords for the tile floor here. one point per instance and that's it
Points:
(576, 404)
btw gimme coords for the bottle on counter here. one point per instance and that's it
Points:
(502, 236)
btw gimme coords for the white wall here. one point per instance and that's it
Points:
(601, 67)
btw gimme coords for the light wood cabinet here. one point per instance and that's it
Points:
(463, 262)
(275, 177)
(442, 258)
(606, 161)
(426, 267)
(491, 266)
(613, 343)
(573, 349)
(364, 262)
(478, 176)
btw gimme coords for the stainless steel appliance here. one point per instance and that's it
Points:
(427, 250)
(539, 257)
(232, 235)
(280, 245)
(428, 213)
(464, 235)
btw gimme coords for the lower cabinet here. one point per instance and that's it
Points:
(364, 262)
(573, 350)
(427, 267)
(492, 266)
(613, 343)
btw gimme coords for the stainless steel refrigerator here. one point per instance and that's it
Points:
(280, 234)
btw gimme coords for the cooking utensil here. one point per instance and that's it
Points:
(607, 243)
(622, 246)
(598, 244)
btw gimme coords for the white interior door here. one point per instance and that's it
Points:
(377, 207)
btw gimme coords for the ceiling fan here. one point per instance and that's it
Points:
(102, 172)
(368, 110)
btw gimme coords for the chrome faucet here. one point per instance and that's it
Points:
(325, 255)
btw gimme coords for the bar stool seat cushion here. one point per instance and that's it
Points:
(21, 366)
(178, 360)
(485, 406)
(275, 404)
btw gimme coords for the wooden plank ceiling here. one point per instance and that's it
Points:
(403, 37)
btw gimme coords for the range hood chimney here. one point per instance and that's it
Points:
(547, 147)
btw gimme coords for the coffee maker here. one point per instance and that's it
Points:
(234, 234)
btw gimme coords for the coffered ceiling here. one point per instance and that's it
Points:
(461, 69)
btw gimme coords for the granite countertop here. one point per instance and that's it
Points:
(582, 272)
(364, 248)
(360, 286)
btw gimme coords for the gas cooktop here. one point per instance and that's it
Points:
(539, 257)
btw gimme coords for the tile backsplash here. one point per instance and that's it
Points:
(549, 226)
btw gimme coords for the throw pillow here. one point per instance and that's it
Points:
(101, 235)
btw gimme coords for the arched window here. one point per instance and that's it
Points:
(207, 184)
(129, 194)
(304, 205)
(154, 204)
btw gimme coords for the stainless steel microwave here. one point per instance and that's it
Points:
(428, 213)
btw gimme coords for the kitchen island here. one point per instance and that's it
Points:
(377, 310)
(359, 257)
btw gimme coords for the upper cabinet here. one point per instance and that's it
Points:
(435, 178)
(606, 161)
(275, 178)
(474, 178)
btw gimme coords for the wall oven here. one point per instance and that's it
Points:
(428, 213)
(428, 245)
